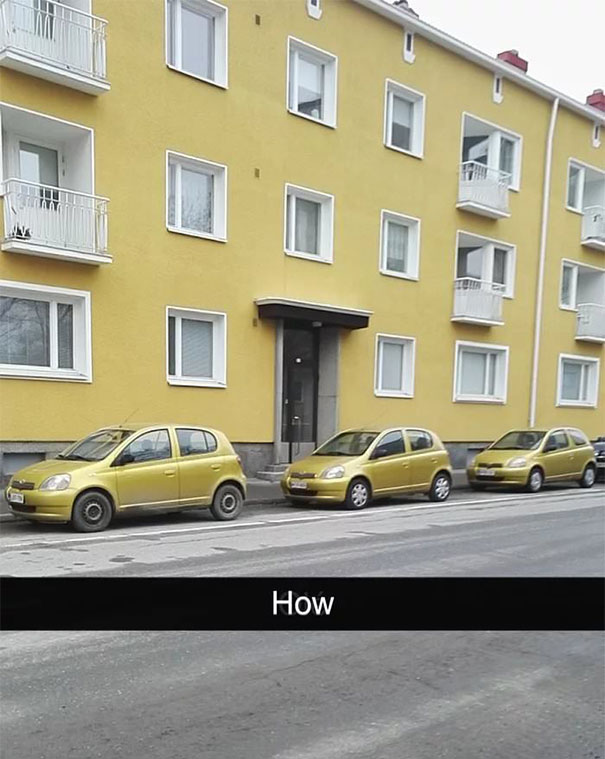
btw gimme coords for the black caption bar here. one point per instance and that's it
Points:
(302, 604)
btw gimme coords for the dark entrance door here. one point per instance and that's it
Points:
(300, 380)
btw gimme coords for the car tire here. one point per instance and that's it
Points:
(227, 503)
(441, 487)
(92, 512)
(589, 477)
(358, 494)
(534, 481)
(477, 486)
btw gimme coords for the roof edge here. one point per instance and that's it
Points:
(482, 59)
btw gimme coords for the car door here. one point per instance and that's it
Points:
(557, 456)
(422, 457)
(388, 465)
(146, 472)
(199, 464)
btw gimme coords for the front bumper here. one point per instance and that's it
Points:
(322, 490)
(516, 476)
(42, 505)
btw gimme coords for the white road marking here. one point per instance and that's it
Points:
(114, 536)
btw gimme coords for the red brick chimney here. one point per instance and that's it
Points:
(596, 100)
(512, 57)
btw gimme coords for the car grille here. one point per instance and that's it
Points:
(22, 485)
(303, 475)
(303, 493)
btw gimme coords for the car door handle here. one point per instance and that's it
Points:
(169, 472)
(215, 466)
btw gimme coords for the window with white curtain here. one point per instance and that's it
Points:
(578, 380)
(196, 347)
(404, 119)
(481, 372)
(309, 223)
(44, 332)
(197, 196)
(196, 36)
(394, 369)
(311, 82)
(400, 241)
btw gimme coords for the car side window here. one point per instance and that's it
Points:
(577, 437)
(557, 439)
(210, 442)
(149, 447)
(191, 442)
(419, 440)
(390, 445)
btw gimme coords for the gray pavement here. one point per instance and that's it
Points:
(320, 695)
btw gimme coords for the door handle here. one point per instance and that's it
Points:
(169, 472)
(215, 466)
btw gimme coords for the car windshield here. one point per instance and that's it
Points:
(96, 446)
(519, 440)
(347, 444)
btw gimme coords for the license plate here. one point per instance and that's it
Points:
(298, 485)
(16, 498)
(486, 473)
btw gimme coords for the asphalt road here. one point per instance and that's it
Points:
(323, 695)
(557, 532)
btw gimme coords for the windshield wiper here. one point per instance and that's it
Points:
(76, 457)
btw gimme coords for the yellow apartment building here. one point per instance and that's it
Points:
(283, 218)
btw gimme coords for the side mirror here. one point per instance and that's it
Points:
(549, 448)
(124, 458)
(379, 453)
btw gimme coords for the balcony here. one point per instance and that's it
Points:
(483, 191)
(477, 301)
(54, 41)
(593, 227)
(591, 323)
(52, 222)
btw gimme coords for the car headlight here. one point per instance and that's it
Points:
(333, 472)
(517, 462)
(56, 482)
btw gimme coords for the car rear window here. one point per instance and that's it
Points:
(579, 438)
(193, 442)
(420, 440)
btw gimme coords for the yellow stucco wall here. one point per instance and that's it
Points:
(151, 108)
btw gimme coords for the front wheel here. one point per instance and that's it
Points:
(588, 477)
(535, 481)
(92, 512)
(227, 503)
(358, 495)
(440, 487)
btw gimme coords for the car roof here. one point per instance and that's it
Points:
(138, 426)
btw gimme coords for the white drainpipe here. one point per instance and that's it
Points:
(540, 286)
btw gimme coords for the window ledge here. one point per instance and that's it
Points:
(391, 394)
(329, 124)
(420, 156)
(192, 382)
(193, 233)
(308, 257)
(214, 82)
(397, 275)
(574, 210)
(576, 404)
(472, 399)
(8, 372)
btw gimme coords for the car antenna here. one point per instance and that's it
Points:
(129, 416)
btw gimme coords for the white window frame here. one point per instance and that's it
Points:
(413, 225)
(409, 364)
(596, 135)
(582, 167)
(575, 266)
(409, 56)
(493, 159)
(330, 88)
(82, 345)
(326, 226)
(219, 195)
(219, 347)
(501, 379)
(592, 381)
(221, 40)
(498, 89)
(391, 87)
(314, 8)
(489, 245)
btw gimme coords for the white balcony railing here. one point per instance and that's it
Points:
(56, 34)
(593, 224)
(477, 300)
(483, 187)
(48, 217)
(591, 322)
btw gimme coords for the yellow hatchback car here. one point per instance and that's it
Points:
(529, 458)
(122, 469)
(357, 465)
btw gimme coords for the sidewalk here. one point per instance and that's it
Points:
(259, 492)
